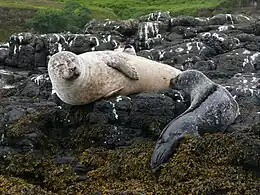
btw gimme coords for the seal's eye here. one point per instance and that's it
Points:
(179, 82)
(174, 82)
(58, 65)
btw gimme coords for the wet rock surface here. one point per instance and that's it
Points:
(49, 147)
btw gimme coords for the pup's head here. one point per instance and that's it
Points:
(187, 80)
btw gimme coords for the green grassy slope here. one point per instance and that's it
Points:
(30, 4)
(96, 12)
(13, 13)
(130, 8)
(133, 8)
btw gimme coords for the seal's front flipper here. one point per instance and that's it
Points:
(112, 92)
(127, 69)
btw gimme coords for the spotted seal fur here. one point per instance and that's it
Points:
(212, 109)
(81, 79)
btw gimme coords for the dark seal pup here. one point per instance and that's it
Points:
(212, 109)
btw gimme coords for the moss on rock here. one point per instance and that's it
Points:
(201, 165)
(85, 136)
(13, 185)
(25, 124)
(42, 171)
(208, 165)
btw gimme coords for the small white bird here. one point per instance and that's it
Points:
(129, 49)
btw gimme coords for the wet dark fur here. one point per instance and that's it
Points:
(212, 108)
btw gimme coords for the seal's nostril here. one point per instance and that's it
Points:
(72, 69)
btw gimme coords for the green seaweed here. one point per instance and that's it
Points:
(37, 170)
(13, 185)
(25, 124)
(213, 163)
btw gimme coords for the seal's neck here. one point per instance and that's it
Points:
(85, 72)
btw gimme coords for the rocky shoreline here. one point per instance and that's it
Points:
(49, 147)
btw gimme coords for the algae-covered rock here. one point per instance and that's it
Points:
(205, 165)
(13, 185)
(37, 168)
(209, 165)
(202, 165)
(216, 163)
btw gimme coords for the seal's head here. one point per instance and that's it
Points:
(188, 80)
(64, 65)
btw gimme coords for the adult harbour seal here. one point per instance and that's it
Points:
(84, 78)
(212, 109)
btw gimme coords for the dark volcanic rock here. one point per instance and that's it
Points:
(112, 122)
(189, 21)
(3, 55)
(182, 41)
(30, 51)
(156, 16)
(106, 27)
(239, 60)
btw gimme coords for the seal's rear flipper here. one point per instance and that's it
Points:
(163, 151)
